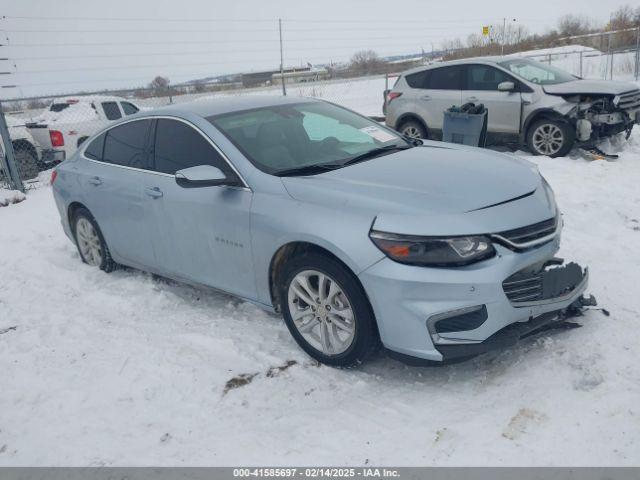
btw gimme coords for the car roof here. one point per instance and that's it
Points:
(462, 61)
(219, 105)
(88, 98)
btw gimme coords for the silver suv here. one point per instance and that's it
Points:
(529, 103)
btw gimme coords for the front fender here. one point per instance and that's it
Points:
(278, 220)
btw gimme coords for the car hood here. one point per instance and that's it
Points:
(580, 86)
(427, 182)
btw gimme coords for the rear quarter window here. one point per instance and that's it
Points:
(95, 148)
(418, 79)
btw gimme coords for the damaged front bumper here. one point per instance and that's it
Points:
(429, 315)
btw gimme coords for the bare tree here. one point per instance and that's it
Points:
(366, 62)
(571, 25)
(160, 86)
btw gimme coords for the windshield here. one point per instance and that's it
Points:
(280, 138)
(536, 72)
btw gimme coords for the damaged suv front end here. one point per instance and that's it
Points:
(580, 111)
(600, 115)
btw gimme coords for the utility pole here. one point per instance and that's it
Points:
(504, 32)
(284, 88)
(8, 160)
(637, 69)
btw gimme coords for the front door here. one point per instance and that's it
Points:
(504, 108)
(200, 234)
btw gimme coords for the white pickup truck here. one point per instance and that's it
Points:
(68, 122)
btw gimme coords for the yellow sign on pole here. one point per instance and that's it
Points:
(485, 30)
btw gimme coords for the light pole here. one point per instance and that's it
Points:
(504, 34)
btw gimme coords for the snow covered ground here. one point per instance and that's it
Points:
(125, 369)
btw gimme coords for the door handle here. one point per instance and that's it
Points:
(153, 192)
(472, 99)
(425, 97)
(95, 181)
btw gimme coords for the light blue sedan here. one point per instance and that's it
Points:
(360, 237)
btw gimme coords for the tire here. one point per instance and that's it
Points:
(557, 129)
(27, 161)
(347, 349)
(84, 226)
(413, 129)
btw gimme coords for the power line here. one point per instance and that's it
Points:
(194, 42)
(251, 30)
(244, 20)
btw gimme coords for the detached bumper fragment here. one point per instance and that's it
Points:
(511, 334)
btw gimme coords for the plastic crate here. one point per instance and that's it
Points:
(465, 128)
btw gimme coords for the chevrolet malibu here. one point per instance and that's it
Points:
(360, 237)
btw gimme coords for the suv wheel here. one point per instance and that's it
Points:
(91, 245)
(327, 311)
(413, 129)
(550, 137)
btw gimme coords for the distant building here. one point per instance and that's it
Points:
(295, 74)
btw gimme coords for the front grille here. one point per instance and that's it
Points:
(523, 235)
(630, 100)
(523, 287)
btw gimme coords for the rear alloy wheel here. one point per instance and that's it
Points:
(553, 138)
(326, 311)
(91, 245)
(413, 129)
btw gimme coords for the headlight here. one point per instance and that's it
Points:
(433, 251)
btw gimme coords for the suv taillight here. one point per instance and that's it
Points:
(57, 139)
(392, 95)
(54, 175)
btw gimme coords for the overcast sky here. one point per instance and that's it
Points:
(66, 46)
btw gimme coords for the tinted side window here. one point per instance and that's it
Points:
(111, 110)
(446, 78)
(94, 150)
(125, 144)
(418, 79)
(178, 146)
(129, 108)
(485, 77)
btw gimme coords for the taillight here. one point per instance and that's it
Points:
(54, 175)
(57, 139)
(393, 95)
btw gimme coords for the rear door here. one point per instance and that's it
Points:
(200, 234)
(504, 108)
(117, 169)
(441, 90)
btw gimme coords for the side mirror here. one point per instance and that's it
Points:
(506, 87)
(201, 176)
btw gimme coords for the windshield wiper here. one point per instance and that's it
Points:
(374, 153)
(307, 169)
(326, 167)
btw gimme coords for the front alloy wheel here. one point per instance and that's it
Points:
(321, 312)
(550, 137)
(326, 310)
